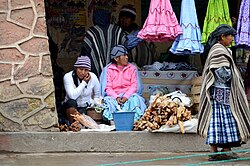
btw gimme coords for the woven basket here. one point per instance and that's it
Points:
(195, 94)
(195, 109)
(195, 90)
(196, 99)
(197, 81)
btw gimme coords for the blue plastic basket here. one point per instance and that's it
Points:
(124, 121)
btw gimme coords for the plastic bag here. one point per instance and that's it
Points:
(180, 97)
(190, 126)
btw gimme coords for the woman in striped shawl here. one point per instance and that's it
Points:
(224, 117)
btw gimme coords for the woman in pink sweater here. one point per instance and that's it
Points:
(121, 85)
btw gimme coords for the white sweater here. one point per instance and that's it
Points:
(83, 93)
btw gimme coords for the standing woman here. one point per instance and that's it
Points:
(80, 84)
(224, 117)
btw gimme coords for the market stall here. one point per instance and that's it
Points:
(184, 39)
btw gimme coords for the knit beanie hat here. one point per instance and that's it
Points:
(129, 11)
(118, 51)
(83, 61)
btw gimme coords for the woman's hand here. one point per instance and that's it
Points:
(87, 78)
(118, 99)
(123, 100)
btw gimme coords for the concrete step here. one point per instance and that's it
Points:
(131, 141)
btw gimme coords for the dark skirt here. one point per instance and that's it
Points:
(223, 130)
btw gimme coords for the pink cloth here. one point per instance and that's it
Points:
(161, 24)
(121, 81)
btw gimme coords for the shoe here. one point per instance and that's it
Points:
(219, 157)
(231, 154)
(212, 158)
(226, 157)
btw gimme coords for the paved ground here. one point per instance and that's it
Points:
(110, 159)
(108, 149)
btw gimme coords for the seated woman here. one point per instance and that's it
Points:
(80, 84)
(121, 86)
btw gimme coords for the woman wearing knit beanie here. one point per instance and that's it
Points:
(79, 85)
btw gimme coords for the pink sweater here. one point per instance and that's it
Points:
(121, 80)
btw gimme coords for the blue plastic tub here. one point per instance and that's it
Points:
(124, 121)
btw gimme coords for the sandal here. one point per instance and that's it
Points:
(212, 158)
(225, 157)
(219, 157)
(231, 154)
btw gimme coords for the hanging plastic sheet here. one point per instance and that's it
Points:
(190, 41)
(161, 24)
(217, 13)
(243, 25)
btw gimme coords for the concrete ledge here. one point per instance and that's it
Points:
(136, 141)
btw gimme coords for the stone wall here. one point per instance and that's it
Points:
(27, 99)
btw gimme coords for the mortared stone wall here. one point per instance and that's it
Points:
(27, 99)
